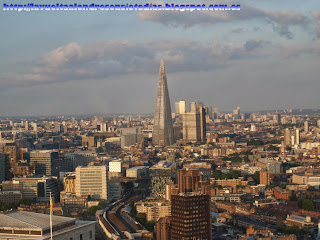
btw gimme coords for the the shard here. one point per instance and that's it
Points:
(162, 129)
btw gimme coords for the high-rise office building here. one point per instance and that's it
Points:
(318, 123)
(11, 152)
(130, 136)
(2, 168)
(215, 113)
(180, 107)
(203, 128)
(277, 118)
(177, 107)
(189, 179)
(26, 126)
(45, 162)
(297, 136)
(190, 208)
(162, 129)
(306, 126)
(34, 126)
(209, 111)
(37, 188)
(236, 113)
(190, 216)
(93, 181)
(287, 137)
(264, 178)
(194, 124)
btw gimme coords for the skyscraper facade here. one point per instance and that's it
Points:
(162, 129)
(190, 216)
(180, 107)
(93, 181)
(194, 124)
(45, 162)
(306, 126)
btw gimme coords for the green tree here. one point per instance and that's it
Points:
(102, 204)
(92, 210)
(26, 201)
(306, 204)
(216, 174)
(141, 218)
(236, 159)
(293, 198)
(272, 148)
(150, 226)
(292, 230)
(225, 159)
(66, 214)
(256, 177)
(254, 142)
(100, 150)
(234, 174)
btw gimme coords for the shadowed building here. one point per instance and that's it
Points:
(190, 216)
(162, 129)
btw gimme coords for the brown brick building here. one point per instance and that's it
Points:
(190, 216)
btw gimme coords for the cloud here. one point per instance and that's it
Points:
(100, 60)
(280, 20)
(237, 30)
(294, 50)
(253, 44)
(316, 18)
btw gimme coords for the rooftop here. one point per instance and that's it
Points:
(31, 220)
(163, 165)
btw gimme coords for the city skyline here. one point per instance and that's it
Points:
(263, 57)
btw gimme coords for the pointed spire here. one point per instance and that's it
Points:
(162, 128)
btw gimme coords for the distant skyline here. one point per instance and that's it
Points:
(263, 57)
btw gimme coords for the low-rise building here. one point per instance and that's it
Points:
(23, 225)
(138, 171)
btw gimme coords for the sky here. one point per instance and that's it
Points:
(264, 57)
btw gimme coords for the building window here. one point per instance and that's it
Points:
(90, 234)
(80, 236)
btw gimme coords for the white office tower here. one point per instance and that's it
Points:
(193, 107)
(215, 113)
(34, 127)
(180, 107)
(253, 128)
(318, 123)
(93, 181)
(297, 138)
(294, 120)
(306, 126)
(101, 127)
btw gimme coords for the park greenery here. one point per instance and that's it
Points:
(142, 219)
(217, 174)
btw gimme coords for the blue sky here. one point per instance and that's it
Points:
(265, 56)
